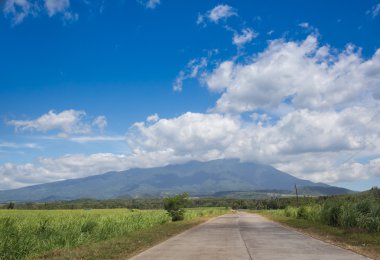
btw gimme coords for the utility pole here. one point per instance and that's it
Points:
(295, 187)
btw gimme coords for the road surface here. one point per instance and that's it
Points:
(244, 236)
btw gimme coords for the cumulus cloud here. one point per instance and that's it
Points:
(306, 109)
(67, 122)
(303, 74)
(246, 36)
(190, 133)
(219, 12)
(285, 144)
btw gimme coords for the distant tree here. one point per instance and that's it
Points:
(11, 205)
(175, 206)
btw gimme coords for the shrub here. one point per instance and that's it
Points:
(302, 212)
(348, 216)
(375, 210)
(370, 224)
(174, 206)
(364, 207)
(330, 213)
(290, 212)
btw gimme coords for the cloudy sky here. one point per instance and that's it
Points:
(90, 86)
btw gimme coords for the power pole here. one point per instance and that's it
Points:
(295, 187)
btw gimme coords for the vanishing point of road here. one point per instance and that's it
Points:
(244, 236)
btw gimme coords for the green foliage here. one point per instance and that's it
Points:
(330, 213)
(11, 205)
(25, 232)
(364, 206)
(350, 212)
(175, 206)
(28, 233)
(348, 216)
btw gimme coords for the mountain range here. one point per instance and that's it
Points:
(210, 178)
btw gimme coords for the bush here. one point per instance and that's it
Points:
(291, 212)
(174, 206)
(330, 213)
(302, 212)
(348, 216)
(364, 207)
(375, 210)
(370, 224)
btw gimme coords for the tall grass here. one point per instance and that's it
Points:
(364, 215)
(26, 232)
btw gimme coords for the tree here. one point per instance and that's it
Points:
(11, 205)
(175, 206)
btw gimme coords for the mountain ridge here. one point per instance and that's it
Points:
(194, 177)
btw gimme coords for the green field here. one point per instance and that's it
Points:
(29, 233)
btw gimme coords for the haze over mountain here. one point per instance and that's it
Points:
(197, 178)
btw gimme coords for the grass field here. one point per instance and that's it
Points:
(29, 233)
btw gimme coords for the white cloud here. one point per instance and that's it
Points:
(20, 9)
(304, 25)
(19, 145)
(193, 69)
(219, 12)
(152, 4)
(149, 4)
(67, 122)
(152, 118)
(100, 122)
(178, 83)
(374, 11)
(308, 144)
(314, 111)
(247, 35)
(191, 133)
(302, 73)
(97, 138)
(56, 6)
(78, 165)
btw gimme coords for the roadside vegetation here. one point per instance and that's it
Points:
(175, 206)
(29, 233)
(77, 229)
(351, 221)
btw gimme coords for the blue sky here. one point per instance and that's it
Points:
(92, 86)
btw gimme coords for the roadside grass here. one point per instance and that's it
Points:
(124, 247)
(353, 239)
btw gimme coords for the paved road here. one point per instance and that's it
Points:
(244, 236)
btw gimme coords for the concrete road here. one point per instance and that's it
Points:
(244, 236)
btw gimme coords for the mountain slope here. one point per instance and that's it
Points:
(197, 178)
